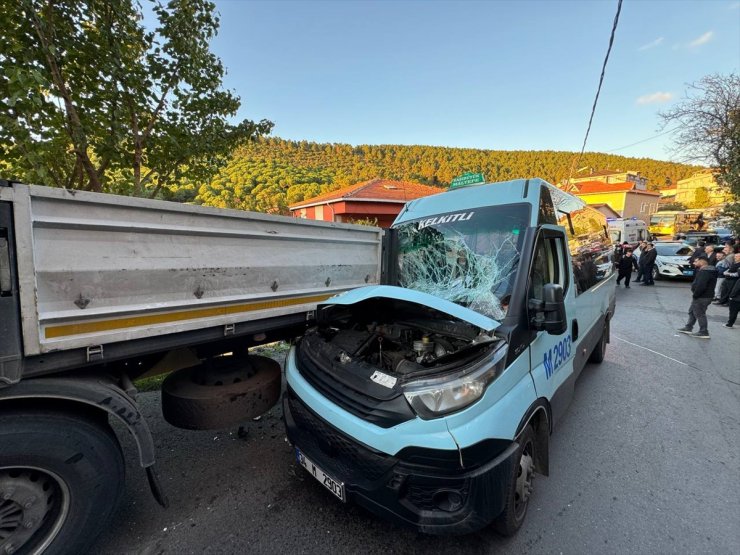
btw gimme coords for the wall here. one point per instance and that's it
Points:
(635, 202)
(686, 188)
(614, 200)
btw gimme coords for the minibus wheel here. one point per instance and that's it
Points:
(599, 352)
(520, 487)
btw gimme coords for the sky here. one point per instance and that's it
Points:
(479, 74)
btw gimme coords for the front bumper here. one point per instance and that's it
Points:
(423, 488)
(673, 271)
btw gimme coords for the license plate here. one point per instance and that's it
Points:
(688, 273)
(337, 488)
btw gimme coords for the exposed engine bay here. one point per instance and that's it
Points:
(397, 338)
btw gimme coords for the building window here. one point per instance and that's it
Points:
(319, 213)
(643, 207)
(653, 207)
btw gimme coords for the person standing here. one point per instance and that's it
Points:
(731, 276)
(626, 263)
(713, 252)
(734, 304)
(698, 251)
(647, 260)
(702, 290)
(722, 266)
(643, 248)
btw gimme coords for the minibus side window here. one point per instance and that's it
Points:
(548, 266)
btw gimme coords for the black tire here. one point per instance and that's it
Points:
(656, 273)
(62, 476)
(223, 392)
(515, 509)
(599, 352)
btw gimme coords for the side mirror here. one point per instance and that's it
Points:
(550, 312)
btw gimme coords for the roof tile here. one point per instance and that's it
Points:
(381, 189)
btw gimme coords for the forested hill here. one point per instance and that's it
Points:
(269, 175)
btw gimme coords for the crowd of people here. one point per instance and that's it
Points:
(716, 279)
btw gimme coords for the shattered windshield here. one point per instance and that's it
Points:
(469, 258)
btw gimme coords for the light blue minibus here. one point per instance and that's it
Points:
(430, 400)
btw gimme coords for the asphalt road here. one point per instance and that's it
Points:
(647, 460)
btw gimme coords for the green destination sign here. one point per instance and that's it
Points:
(466, 179)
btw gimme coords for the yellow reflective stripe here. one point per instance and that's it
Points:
(168, 317)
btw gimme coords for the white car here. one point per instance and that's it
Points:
(672, 260)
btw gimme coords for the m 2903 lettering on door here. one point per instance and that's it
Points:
(557, 355)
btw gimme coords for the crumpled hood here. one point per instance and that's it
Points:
(424, 299)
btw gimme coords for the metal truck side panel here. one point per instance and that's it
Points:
(10, 337)
(97, 268)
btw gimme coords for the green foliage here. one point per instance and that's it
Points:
(90, 99)
(270, 174)
(708, 119)
(701, 198)
(373, 222)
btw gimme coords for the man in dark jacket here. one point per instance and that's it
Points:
(626, 263)
(702, 291)
(699, 251)
(646, 262)
(643, 248)
(734, 304)
(731, 276)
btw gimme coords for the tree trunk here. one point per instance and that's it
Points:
(76, 132)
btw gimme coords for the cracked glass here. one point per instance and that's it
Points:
(468, 257)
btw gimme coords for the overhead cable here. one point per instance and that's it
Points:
(598, 90)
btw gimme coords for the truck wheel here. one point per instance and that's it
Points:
(599, 352)
(222, 392)
(61, 477)
(520, 488)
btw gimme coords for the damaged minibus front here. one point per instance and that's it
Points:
(430, 400)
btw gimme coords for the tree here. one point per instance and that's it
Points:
(709, 130)
(701, 198)
(90, 98)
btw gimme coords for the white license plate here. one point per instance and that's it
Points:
(337, 488)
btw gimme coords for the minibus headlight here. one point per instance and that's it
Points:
(434, 397)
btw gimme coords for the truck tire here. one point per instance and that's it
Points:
(599, 352)
(61, 477)
(520, 488)
(222, 392)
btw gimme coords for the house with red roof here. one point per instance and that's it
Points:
(380, 199)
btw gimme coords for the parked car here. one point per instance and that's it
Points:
(672, 260)
(724, 233)
(693, 237)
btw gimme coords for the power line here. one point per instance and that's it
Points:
(644, 140)
(598, 90)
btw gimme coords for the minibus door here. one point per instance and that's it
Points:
(551, 354)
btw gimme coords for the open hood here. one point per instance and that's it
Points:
(409, 295)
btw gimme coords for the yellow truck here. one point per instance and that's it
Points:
(672, 222)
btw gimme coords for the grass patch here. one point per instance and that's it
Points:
(150, 384)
